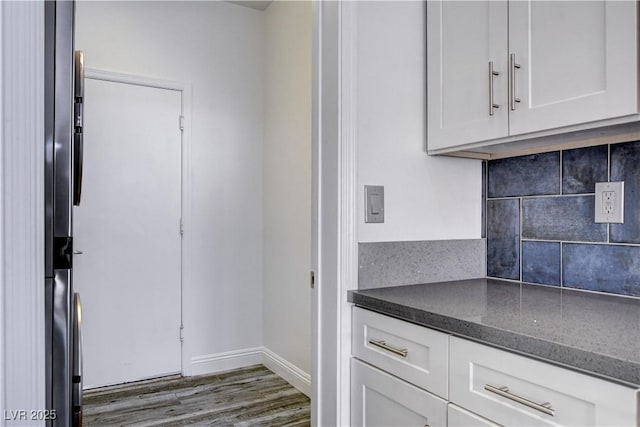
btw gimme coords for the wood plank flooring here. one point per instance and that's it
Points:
(252, 396)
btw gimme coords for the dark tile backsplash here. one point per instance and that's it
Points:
(561, 218)
(625, 166)
(606, 268)
(541, 262)
(533, 175)
(503, 238)
(540, 224)
(484, 200)
(583, 167)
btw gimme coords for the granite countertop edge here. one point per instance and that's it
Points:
(621, 371)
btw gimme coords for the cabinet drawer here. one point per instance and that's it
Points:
(414, 353)
(515, 390)
(458, 417)
(380, 399)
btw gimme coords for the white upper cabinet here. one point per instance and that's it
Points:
(463, 39)
(578, 62)
(559, 64)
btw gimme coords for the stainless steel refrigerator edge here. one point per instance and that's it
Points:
(63, 164)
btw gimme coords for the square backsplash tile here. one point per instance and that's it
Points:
(541, 262)
(583, 167)
(537, 174)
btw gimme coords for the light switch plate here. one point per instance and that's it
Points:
(373, 203)
(609, 202)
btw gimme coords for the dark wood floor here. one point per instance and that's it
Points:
(252, 396)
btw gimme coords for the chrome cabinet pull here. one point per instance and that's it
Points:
(504, 392)
(512, 81)
(492, 74)
(383, 345)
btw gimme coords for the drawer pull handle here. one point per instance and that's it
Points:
(383, 345)
(504, 392)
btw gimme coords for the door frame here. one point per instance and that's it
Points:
(334, 242)
(22, 272)
(185, 90)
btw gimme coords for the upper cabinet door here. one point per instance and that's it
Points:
(577, 62)
(463, 38)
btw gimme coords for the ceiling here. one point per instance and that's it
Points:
(257, 4)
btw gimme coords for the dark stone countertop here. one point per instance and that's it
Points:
(594, 333)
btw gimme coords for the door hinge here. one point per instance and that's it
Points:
(181, 227)
(181, 334)
(312, 279)
(181, 122)
(62, 253)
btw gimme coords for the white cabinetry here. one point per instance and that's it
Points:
(518, 391)
(556, 65)
(458, 417)
(486, 386)
(380, 399)
(463, 38)
(416, 354)
(410, 352)
(578, 62)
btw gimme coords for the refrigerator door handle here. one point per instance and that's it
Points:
(78, 147)
(79, 74)
(78, 119)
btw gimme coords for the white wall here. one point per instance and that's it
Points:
(218, 47)
(22, 321)
(426, 198)
(287, 181)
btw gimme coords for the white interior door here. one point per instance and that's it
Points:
(127, 227)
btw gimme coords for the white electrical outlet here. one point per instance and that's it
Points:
(610, 202)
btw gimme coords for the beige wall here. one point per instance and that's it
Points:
(287, 182)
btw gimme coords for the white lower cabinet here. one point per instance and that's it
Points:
(380, 399)
(486, 386)
(414, 353)
(458, 417)
(518, 391)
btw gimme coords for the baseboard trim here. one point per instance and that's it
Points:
(288, 371)
(212, 363)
